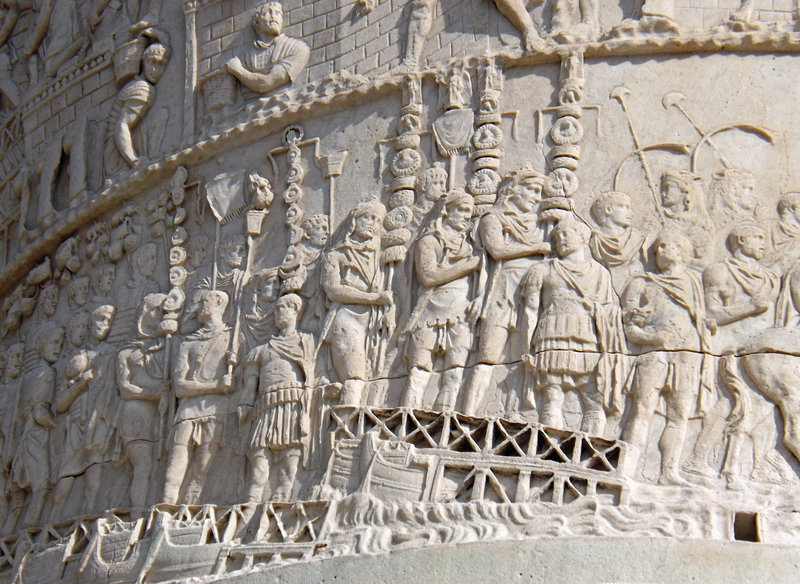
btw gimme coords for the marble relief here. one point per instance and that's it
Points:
(262, 291)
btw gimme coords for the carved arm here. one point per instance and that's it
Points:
(492, 237)
(130, 390)
(72, 391)
(258, 82)
(344, 294)
(718, 292)
(431, 273)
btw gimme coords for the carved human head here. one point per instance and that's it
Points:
(155, 59)
(267, 285)
(789, 207)
(50, 344)
(232, 250)
(569, 235)
(433, 182)
(367, 219)
(261, 193)
(78, 294)
(672, 248)
(102, 317)
(749, 239)
(151, 315)
(268, 19)
(77, 328)
(523, 187)
(315, 230)
(286, 310)
(458, 208)
(732, 189)
(14, 358)
(48, 300)
(681, 190)
(67, 256)
(104, 278)
(212, 304)
(612, 208)
(145, 259)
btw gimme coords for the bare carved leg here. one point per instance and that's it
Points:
(176, 470)
(140, 453)
(553, 408)
(416, 384)
(517, 14)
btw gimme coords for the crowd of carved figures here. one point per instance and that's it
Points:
(274, 60)
(547, 307)
(585, 323)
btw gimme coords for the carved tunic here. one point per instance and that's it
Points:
(284, 370)
(31, 465)
(785, 238)
(348, 325)
(138, 414)
(7, 422)
(204, 351)
(580, 316)
(735, 282)
(620, 253)
(137, 96)
(447, 304)
(289, 54)
(102, 407)
(502, 299)
(137, 93)
(71, 460)
(674, 308)
(672, 312)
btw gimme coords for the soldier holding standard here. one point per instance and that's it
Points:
(444, 261)
(201, 383)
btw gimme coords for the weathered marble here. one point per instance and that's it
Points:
(346, 285)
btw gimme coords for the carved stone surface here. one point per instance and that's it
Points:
(311, 282)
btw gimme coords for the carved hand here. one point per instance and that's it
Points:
(44, 416)
(385, 298)
(387, 323)
(543, 248)
(332, 390)
(473, 311)
(761, 304)
(234, 66)
(230, 358)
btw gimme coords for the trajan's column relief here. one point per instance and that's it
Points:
(284, 282)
